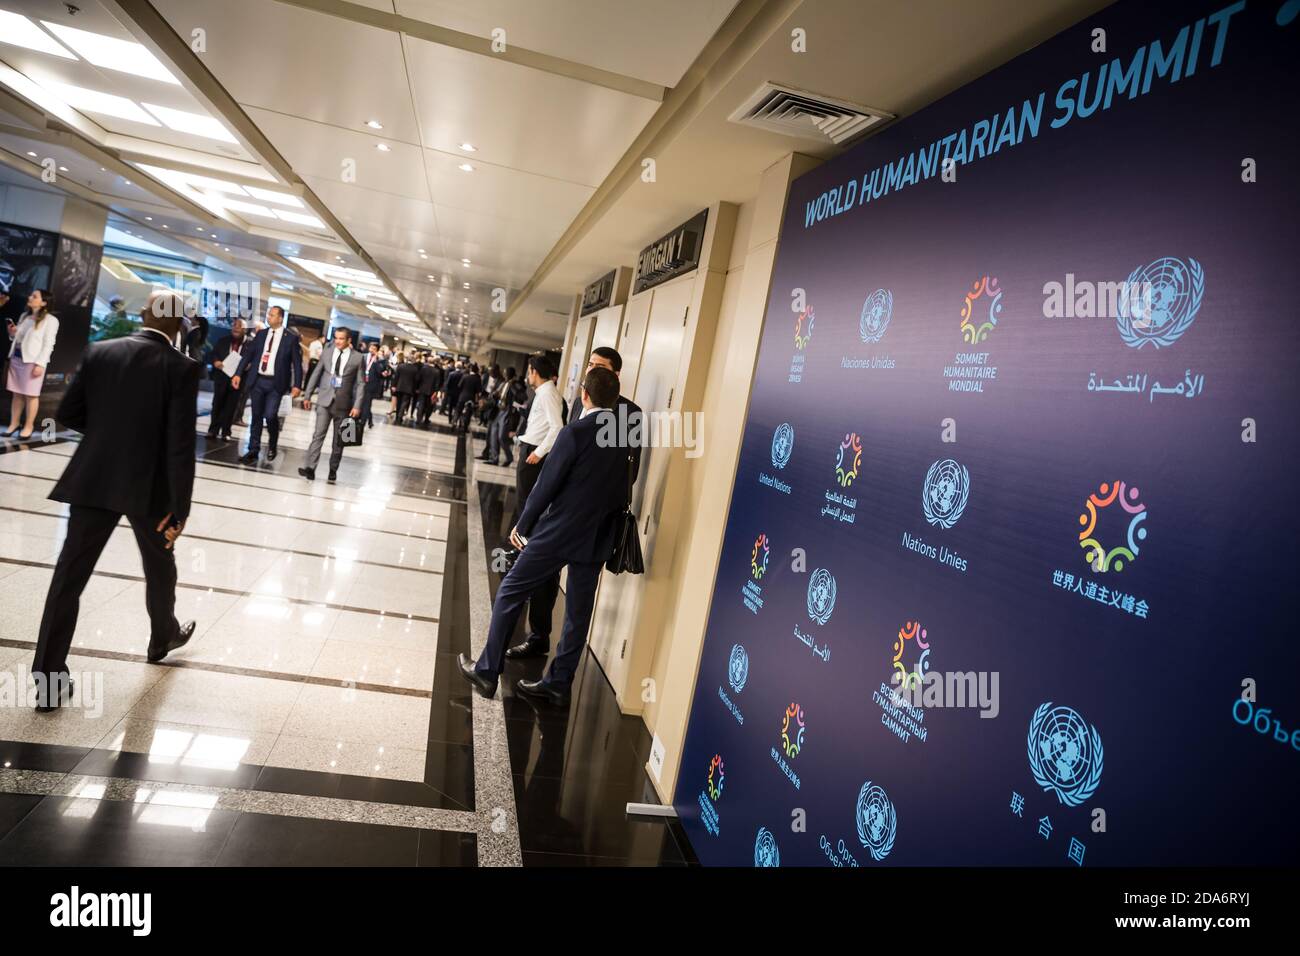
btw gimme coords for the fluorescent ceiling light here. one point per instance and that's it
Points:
(249, 208)
(93, 101)
(196, 124)
(125, 56)
(301, 219)
(207, 182)
(270, 195)
(17, 30)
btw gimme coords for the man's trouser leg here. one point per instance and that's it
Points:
(579, 598)
(520, 581)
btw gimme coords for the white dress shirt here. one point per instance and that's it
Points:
(273, 339)
(544, 420)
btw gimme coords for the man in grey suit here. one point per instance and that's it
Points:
(341, 380)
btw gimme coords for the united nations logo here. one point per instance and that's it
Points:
(792, 733)
(821, 596)
(738, 668)
(876, 313)
(980, 311)
(1094, 552)
(911, 631)
(877, 821)
(716, 777)
(1064, 753)
(1159, 301)
(803, 328)
(758, 557)
(846, 466)
(765, 851)
(943, 497)
(782, 444)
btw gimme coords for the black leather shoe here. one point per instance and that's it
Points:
(540, 690)
(308, 473)
(529, 648)
(271, 453)
(64, 696)
(182, 638)
(483, 686)
(333, 475)
(249, 459)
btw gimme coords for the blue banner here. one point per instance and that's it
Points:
(1005, 571)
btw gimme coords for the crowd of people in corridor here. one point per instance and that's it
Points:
(570, 487)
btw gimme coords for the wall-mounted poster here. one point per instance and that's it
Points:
(1006, 578)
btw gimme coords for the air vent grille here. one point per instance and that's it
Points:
(807, 115)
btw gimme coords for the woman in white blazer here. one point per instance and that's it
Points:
(29, 356)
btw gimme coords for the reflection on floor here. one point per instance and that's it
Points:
(316, 717)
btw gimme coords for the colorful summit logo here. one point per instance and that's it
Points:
(1065, 754)
(821, 595)
(716, 778)
(850, 458)
(1159, 302)
(980, 311)
(911, 678)
(876, 313)
(738, 668)
(782, 445)
(944, 494)
(765, 851)
(758, 557)
(792, 730)
(1100, 558)
(803, 328)
(877, 821)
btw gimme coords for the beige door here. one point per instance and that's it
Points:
(651, 381)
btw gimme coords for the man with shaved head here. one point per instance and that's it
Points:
(134, 401)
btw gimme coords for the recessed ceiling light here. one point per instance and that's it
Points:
(466, 285)
(466, 167)
(374, 124)
(196, 124)
(125, 56)
(469, 147)
(106, 104)
(420, 251)
(382, 147)
(199, 228)
(127, 181)
(17, 30)
(30, 153)
(423, 256)
(63, 169)
(466, 262)
(148, 218)
(165, 226)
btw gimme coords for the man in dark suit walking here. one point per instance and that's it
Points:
(145, 472)
(275, 358)
(341, 380)
(224, 394)
(404, 379)
(571, 519)
(374, 371)
(426, 383)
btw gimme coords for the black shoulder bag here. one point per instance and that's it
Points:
(627, 541)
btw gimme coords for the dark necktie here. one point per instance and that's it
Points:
(338, 359)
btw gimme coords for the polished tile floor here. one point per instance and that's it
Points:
(316, 717)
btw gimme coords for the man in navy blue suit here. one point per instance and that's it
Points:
(275, 359)
(571, 518)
